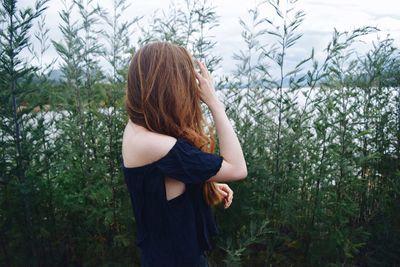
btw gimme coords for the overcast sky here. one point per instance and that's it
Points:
(321, 17)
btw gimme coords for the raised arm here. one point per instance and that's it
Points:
(234, 165)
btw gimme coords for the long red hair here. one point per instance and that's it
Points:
(163, 96)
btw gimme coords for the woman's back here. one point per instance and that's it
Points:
(170, 231)
(148, 147)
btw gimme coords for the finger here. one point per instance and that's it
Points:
(221, 187)
(203, 70)
(225, 202)
(196, 64)
(224, 187)
(229, 195)
(223, 190)
(207, 72)
(228, 190)
(201, 66)
(198, 76)
(224, 194)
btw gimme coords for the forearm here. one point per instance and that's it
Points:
(230, 147)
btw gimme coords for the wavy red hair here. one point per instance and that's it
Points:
(163, 96)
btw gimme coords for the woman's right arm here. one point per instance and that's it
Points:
(234, 165)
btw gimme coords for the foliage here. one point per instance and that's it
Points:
(321, 138)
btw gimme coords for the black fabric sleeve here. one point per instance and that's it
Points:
(188, 164)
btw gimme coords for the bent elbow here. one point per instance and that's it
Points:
(242, 174)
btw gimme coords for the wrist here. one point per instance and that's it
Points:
(215, 104)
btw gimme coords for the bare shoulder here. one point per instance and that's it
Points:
(144, 147)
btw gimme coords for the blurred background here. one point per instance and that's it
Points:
(313, 92)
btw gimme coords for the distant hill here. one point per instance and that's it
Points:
(56, 75)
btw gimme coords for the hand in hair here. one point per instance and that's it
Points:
(206, 84)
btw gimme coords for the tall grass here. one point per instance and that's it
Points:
(321, 138)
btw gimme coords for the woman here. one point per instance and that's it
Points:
(168, 161)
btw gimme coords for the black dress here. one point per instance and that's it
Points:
(173, 233)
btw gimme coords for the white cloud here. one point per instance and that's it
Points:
(321, 17)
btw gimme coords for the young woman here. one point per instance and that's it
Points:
(169, 166)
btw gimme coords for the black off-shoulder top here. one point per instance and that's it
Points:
(173, 232)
